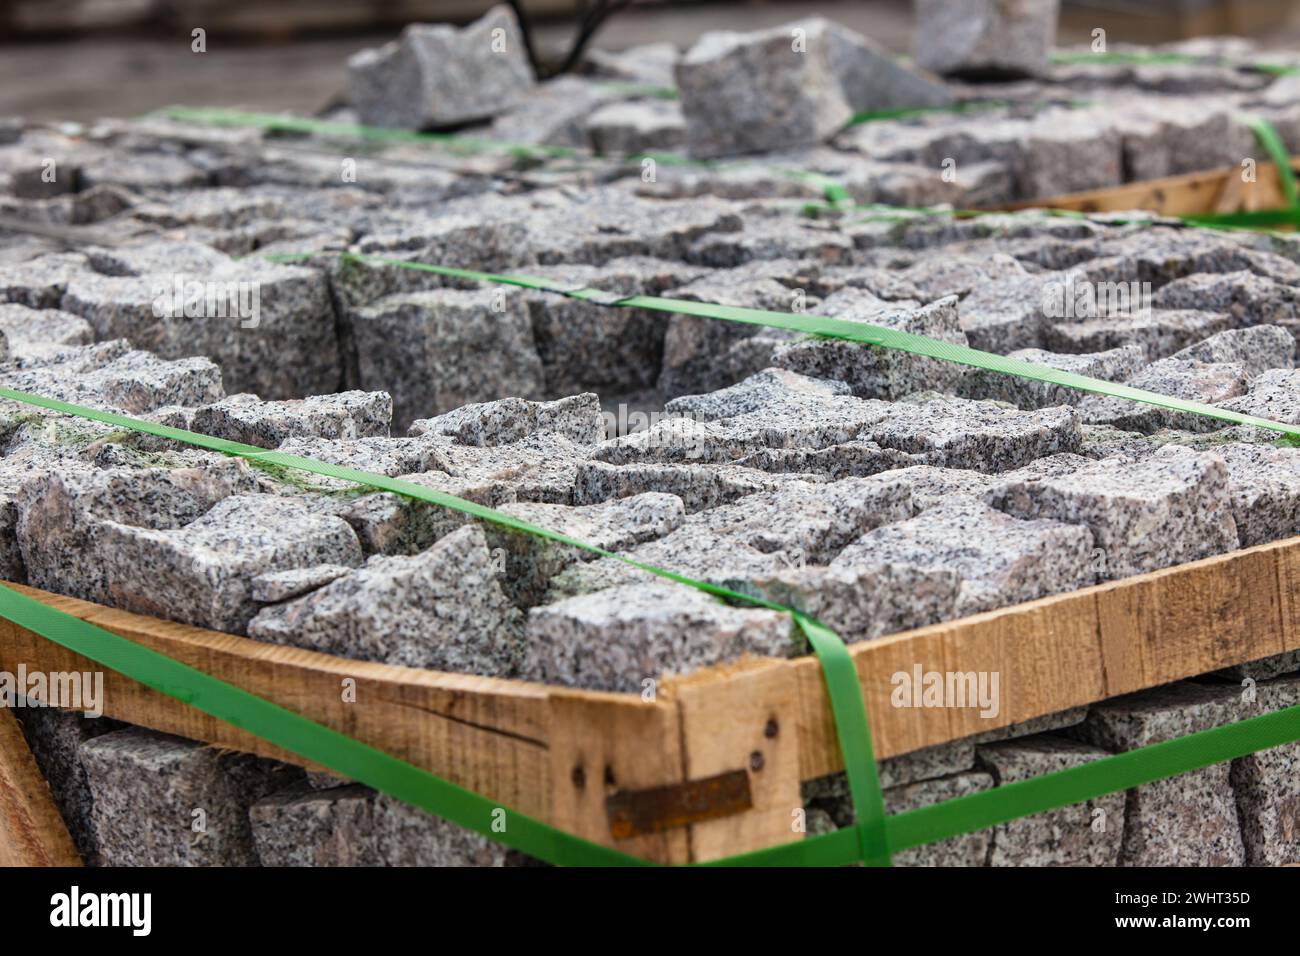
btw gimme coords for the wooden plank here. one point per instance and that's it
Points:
(743, 717)
(1184, 195)
(32, 833)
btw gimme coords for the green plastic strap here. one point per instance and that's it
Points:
(863, 333)
(840, 674)
(1268, 137)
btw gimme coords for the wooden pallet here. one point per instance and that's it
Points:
(712, 765)
(1190, 194)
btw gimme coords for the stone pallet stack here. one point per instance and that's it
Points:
(877, 490)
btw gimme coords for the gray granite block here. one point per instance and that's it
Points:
(437, 75)
(270, 327)
(201, 573)
(1274, 394)
(1190, 819)
(1267, 788)
(985, 37)
(1188, 379)
(165, 801)
(1114, 365)
(246, 419)
(797, 525)
(356, 826)
(872, 372)
(1264, 486)
(618, 639)
(999, 560)
(441, 609)
(1160, 332)
(435, 351)
(1247, 297)
(752, 92)
(980, 436)
(507, 420)
(528, 562)
(698, 486)
(1167, 509)
(1257, 349)
(1083, 834)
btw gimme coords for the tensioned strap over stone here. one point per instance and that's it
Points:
(863, 333)
(872, 839)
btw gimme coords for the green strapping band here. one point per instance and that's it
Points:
(862, 333)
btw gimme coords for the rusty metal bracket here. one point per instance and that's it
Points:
(655, 809)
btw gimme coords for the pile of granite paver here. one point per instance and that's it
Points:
(877, 490)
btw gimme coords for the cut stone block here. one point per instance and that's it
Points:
(1267, 788)
(1264, 486)
(984, 38)
(981, 436)
(435, 351)
(201, 573)
(1169, 508)
(64, 513)
(1256, 349)
(1190, 819)
(38, 334)
(356, 826)
(440, 609)
(861, 601)
(1274, 395)
(799, 422)
(540, 467)
(1115, 365)
(437, 75)
(999, 560)
(627, 128)
(270, 327)
(489, 424)
(275, 586)
(618, 639)
(1249, 298)
(1204, 382)
(788, 86)
(114, 377)
(1161, 332)
(527, 562)
(698, 486)
(247, 419)
(705, 354)
(1083, 834)
(165, 801)
(755, 92)
(797, 525)
(772, 386)
(587, 346)
(873, 372)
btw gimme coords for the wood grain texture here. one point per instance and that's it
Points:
(1211, 191)
(32, 833)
